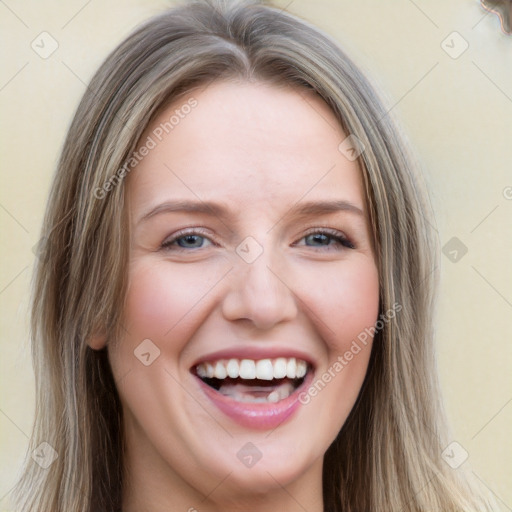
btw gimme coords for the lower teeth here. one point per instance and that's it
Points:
(257, 394)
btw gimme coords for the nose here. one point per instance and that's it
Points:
(259, 293)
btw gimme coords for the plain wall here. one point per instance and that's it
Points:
(456, 112)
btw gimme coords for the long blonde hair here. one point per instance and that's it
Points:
(387, 456)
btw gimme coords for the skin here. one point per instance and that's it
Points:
(259, 150)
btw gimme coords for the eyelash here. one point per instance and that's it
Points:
(333, 234)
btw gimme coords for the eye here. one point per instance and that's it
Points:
(327, 238)
(196, 239)
(183, 240)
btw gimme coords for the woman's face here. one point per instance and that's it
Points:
(251, 256)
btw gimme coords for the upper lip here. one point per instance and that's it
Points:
(256, 353)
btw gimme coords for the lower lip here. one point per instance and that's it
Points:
(264, 416)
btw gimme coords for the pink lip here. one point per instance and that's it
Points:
(264, 416)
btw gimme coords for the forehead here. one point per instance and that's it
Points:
(245, 143)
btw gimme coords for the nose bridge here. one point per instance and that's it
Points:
(259, 289)
(261, 280)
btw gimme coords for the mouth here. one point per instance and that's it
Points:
(256, 393)
(254, 381)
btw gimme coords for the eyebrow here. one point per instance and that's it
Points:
(300, 209)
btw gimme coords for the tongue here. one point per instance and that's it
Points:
(255, 393)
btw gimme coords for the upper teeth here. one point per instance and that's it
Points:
(264, 369)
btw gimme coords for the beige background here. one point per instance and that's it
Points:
(456, 111)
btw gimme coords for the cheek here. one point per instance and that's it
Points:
(344, 300)
(160, 299)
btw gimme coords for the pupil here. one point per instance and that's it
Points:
(191, 240)
(320, 238)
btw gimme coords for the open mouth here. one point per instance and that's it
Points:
(254, 380)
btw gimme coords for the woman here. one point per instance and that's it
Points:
(233, 305)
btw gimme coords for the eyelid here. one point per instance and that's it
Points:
(333, 233)
(184, 232)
